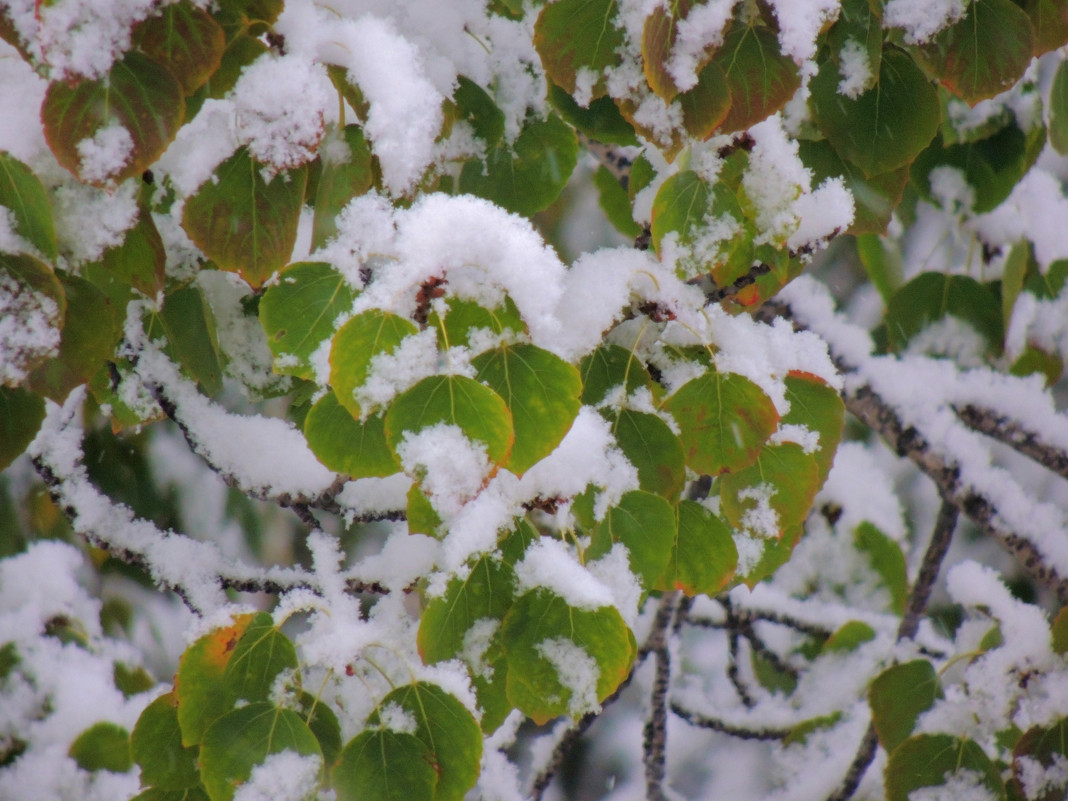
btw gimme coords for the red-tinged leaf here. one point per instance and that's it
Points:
(774, 494)
(186, 40)
(703, 556)
(985, 52)
(340, 180)
(658, 37)
(91, 330)
(761, 78)
(35, 306)
(884, 128)
(574, 35)
(1049, 20)
(243, 222)
(259, 656)
(138, 96)
(725, 420)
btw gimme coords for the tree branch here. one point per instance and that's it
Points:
(654, 735)
(1012, 433)
(733, 729)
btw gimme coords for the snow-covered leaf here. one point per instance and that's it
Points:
(23, 193)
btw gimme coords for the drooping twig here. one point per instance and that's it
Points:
(733, 729)
(733, 643)
(654, 735)
(779, 618)
(1012, 433)
(915, 606)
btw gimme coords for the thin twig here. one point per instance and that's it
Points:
(865, 754)
(733, 639)
(1012, 433)
(733, 729)
(654, 735)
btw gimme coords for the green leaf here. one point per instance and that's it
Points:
(449, 733)
(91, 330)
(898, 696)
(859, 26)
(818, 407)
(707, 105)
(887, 560)
(882, 263)
(1059, 632)
(244, 223)
(21, 413)
(658, 38)
(541, 623)
(454, 400)
(529, 175)
(476, 107)
(259, 656)
(614, 202)
(33, 300)
(240, 51)
(991, 167)
(103, 746)
(202, 694)
(725, 419)
(653, 448)
(323, 724)
(186, 40)
(138, 94)
(188, 324)
(600, 120)
(573, 35)
(422, 517)
(645, 524)
(985, 52)
(22, 192)
(884, 128)
(761, 78)
(541, 391)
(299, 311)
(156, 794)
(703, 556)
(1058, 110)
(346, 445)
(875, 198)
(355, 345)
(849, 636)
(463, 317)
(137, 263)
(240, 740)
(385, 765)
(347, 172)
(681, 205)
(930, 297)
(929, 760)
(156, 746)
(783, 480)
(608, 367)
(1048, 746)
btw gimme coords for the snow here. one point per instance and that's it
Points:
(922, 19)
(549, 564)
(1039, 780)
(89, 221)
(800, 22)
(30, 324)
(451, 468)
(700, 30)
(963, 783)
(576, 670)
(105, 153)
(855, 68)
(284, 776)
